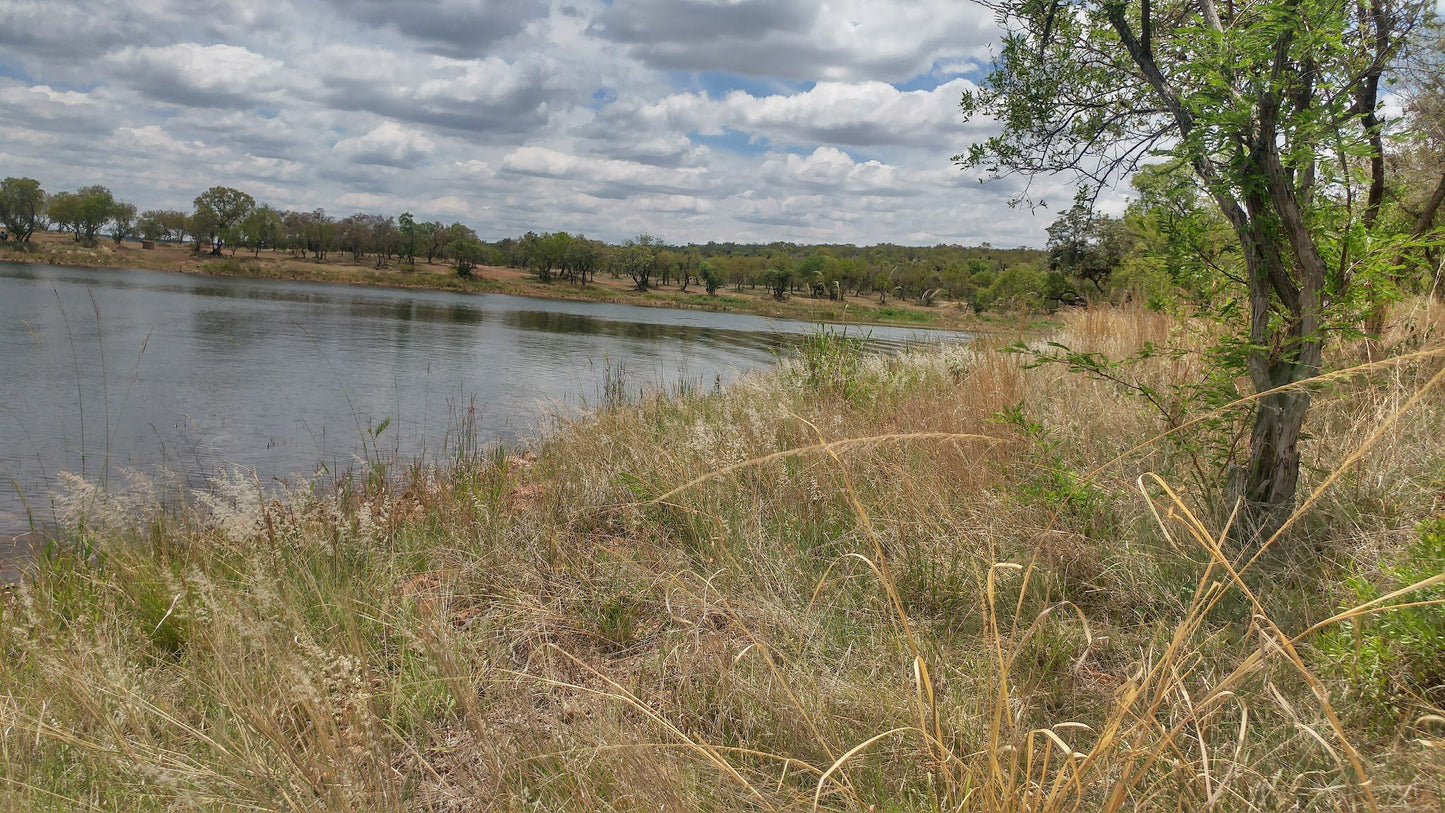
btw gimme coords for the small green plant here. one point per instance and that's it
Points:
(1394, 662)
(831, 361)
(1052, 482)
(616, 621)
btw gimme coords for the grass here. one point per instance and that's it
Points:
(935, 581)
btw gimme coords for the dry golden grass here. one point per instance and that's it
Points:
(850, 584)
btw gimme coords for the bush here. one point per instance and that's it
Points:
(1395, 661)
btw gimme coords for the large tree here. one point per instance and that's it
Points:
(219, 210)
(22, 206)
(83, 211)
(1273, 106)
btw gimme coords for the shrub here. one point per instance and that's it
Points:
(1395, 661)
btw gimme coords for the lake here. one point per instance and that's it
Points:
(104, 371)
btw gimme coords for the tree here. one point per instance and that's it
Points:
(162, 224)
(1272, 106)
(94, 207)
(22, 206)
(1422, 165)
(219, 210)
(83, 211)
(63, 210)
(149, 226)
(357, 234)
(1086, 245)
(467, 253)
(262, 228)
(409, 233)
(638, 259)
(711, 279)
(122, 222)
(432, 238)
(778, 280)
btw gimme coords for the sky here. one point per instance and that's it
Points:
(692, 120)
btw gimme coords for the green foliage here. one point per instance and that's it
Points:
(1394, 662)
(1199, 430)
(22, 207)
(122, 222)
(778, 279)
(637, 258)
(1049, 480)
(466, 253)
(830, 361)
(1086, 246)
(219, 211)
(83, 211)
(711, 279)
(1271, 107)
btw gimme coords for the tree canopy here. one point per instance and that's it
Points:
(1273, 107)
(22, 206)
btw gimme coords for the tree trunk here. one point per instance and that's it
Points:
(1266, 484)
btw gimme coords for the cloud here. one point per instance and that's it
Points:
(483, 98)
(795, 39)
(197, 75)
(867, 114)
(695, 119)
(455, 28)
(605, 178)
(387, 144)
(829, 169)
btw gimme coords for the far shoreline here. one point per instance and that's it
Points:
(947, 316)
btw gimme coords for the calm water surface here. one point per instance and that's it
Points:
(103, 371)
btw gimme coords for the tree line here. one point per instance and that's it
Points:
(224, 218)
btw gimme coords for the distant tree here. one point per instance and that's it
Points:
(810, 271)
(432, 238)
(638, 259)
(357, 234)
(686, 264)
(409, 234)
(262, 228)
(582, 259)
(1086, 245)
(122, 222)
(778, 280)
(711, 279)
(83, 211)
(313, 231)
(467, 253)
(166, 224)
(94, 209)
(149, 226)
(385, 238)
(219, 210)
(22, 207)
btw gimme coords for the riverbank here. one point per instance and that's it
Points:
(59, 249)
(929, 581)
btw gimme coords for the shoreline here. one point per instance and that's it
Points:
(515, 282)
